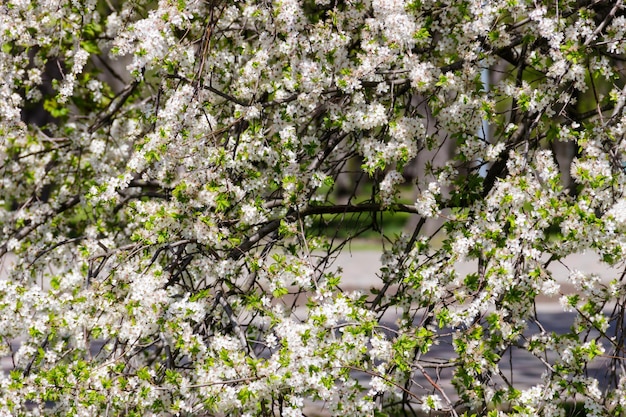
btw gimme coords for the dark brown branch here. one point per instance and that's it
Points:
(116, 104)
(211, 89)
(360, 208)
(109, 68)
(236, 253)
(26, 230)
(498, 169)
(45, 251)
(578, 117)
(273, 225)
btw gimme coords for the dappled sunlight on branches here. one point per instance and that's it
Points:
(174, 215)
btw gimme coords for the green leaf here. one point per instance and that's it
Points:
(90, 46)
(279, 292)
(55, 282)
(144, 374)
(52, 106)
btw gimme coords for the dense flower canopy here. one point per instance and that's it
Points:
(168, 220)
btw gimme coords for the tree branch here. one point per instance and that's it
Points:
(26, 230)
(114, 106)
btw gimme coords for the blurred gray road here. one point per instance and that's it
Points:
(360, 267)
(518, 366)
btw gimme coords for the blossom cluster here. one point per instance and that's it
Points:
(172, 174)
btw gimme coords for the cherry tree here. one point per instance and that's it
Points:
(169, 233)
